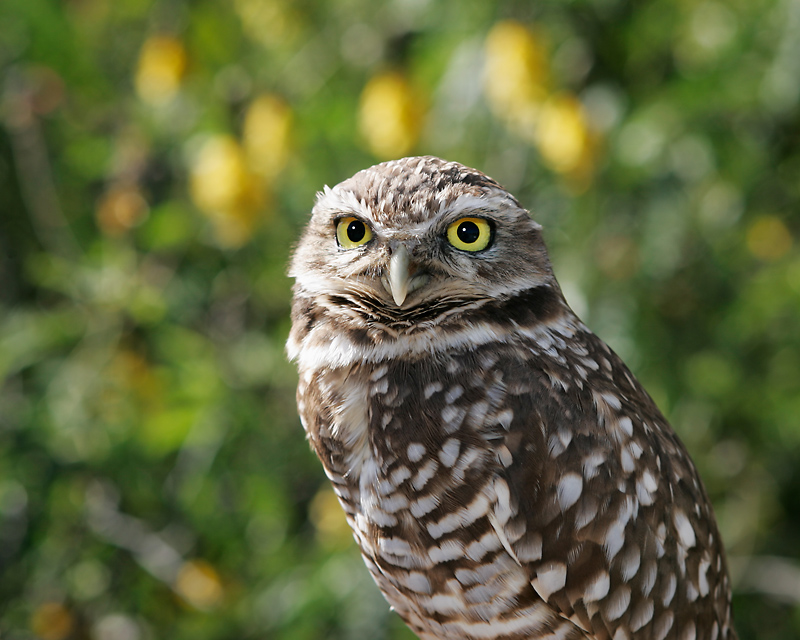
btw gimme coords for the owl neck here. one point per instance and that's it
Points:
(326, 333)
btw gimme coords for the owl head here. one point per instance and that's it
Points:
(416, 239)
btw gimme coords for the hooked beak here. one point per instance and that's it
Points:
(398, 274)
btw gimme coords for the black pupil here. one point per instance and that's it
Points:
(468, 232)
(356, 231)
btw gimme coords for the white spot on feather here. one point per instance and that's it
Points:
(453, 393)
(477, 413)
(465, 516)
(663, 625)
(689, 632)
(394, 546)
(431, 388)
(618, 603)
(642, 614)
(549, 579)
(529, 549)
(394, 503)
(591, 464)
(381, 518)
(453, 417)
(444, 603)
(684, 529)
(646, 487)
(415, 451)
(587, 512)
(612, 400)
(424, 505)
(448, 550)
(650, 483)
(502, 507)
(629, 562)
(425, 473)
(614, 540)
(504, 418)
(378, 373)
(486, 543)
(417, 582)
(628, 464)
(400, 475)
(702, 577)
(449, 453)
(669, 589)
(590, 364)
(649, 577)
(504, 456)
(380, 387)
(598, 588)
(569, 490)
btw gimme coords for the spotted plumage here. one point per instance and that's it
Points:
(504, 474)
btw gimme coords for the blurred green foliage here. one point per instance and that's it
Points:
(157, 160)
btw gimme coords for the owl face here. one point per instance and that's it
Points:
(418, 232)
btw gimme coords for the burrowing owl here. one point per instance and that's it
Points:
(503, 472)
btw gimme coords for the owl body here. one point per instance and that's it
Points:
(503, 472)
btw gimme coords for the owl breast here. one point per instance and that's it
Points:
(421, 451)
(522, 487)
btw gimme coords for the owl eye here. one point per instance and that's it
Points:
(470, 234)
(352, 232)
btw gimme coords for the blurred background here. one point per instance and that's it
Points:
(158, 160)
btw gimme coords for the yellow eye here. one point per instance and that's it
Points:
(352, 233)
(470, 234)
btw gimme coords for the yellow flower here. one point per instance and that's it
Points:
(390, 115)
(52, 621)
(515, 75)
(223, 187)
(768, 238)
(120, 208)
(267, 135)
(162, 64)
(199, 584)
(563, 137)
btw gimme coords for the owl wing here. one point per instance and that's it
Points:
(600, 501)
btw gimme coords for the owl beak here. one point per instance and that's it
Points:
(398, 274)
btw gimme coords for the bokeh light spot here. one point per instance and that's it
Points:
(199, 584)
(52, 621)
(162, 64)
(768, 238)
